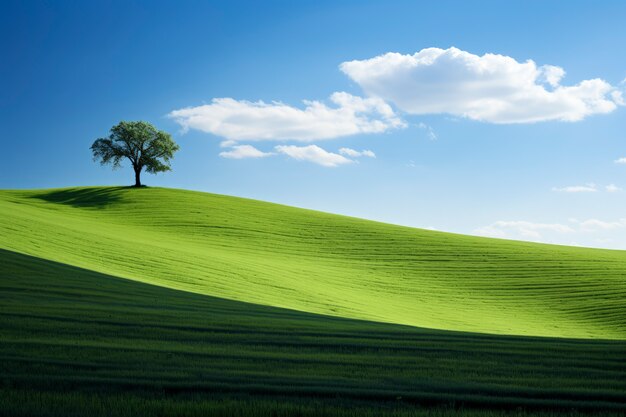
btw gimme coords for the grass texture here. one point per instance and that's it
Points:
(280, 256)
(75, 342)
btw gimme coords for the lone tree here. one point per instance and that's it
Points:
(141, 143)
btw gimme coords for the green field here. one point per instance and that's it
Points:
(121, 301)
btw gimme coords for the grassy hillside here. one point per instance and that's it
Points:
(315, 262)
(75, 342)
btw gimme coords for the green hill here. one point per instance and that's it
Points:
(314, 262)
(74, 342)
(196, 327)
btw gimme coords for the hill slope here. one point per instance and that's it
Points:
(321, 263)
(75, 342)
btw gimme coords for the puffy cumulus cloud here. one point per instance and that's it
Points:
(491, 88)
(238, 120)
(243, 152)
(356, 154)
(521, 229)
(588, 188)
(313, 153)
(551, 74)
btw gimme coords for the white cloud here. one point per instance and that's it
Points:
(429, 131)
(356, 154)
(238, 120)
(313, 153)
(618, 97)
(244, 151)
(612, 188)
(621, 161)
(492, 88)
(227, 143)
(591, 232)
(521, 229)
(588, 188)
(551, 75)
(593, 225)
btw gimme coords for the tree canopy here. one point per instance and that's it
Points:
(141, 143)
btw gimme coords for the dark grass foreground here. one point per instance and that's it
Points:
(78, 343)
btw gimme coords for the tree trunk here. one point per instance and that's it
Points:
(137, 175)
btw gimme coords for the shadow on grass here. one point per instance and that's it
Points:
(97, 197)
(70, 332)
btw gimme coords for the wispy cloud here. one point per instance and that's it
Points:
(620, 160)
(592, 225)
(244, 152)
(430, 132)
(310, 153)
(587, 188)
(315, 154)
(491, 88)
(593, 231)
(238, 120)
(612, 188)
(356, 154)
(520, 228)
(227, 143)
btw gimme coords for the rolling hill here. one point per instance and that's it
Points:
(75, 342)
(151, 302)
(273, 255)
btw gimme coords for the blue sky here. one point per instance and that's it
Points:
(463, 142)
